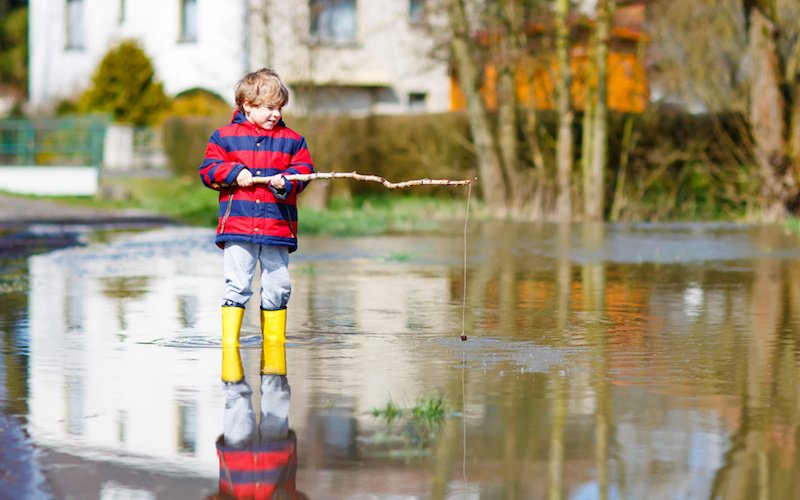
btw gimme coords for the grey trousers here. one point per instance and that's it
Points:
(239, 421)
(239, 266)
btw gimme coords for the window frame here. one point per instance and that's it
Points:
(74, 19)
(416, 12)
(188, 31)
(324, 31)
(122, 8)
(417, 102)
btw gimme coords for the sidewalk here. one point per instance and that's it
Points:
(15, 210)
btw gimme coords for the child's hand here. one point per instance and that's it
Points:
(245, 178)
(277, 181)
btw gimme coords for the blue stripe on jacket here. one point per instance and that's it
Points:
(263, 210)
(286, 145)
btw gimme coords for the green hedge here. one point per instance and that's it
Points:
(679, 165)
(395, 147)
(185, 139)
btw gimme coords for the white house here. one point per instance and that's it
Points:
(338, 56)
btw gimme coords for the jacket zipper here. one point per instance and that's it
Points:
(227, 213)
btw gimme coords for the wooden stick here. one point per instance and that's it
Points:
(369, 178)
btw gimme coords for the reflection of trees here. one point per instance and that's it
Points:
(528, 297)
(662, 349)
(13, 307)
(559, 412)
(594, 289)
(762, 461)
(122, 289)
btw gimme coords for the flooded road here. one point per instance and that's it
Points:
(624, 361)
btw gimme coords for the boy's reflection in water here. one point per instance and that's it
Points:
(257, 460)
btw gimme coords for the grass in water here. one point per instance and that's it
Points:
(415, 427)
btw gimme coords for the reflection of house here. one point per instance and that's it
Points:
(627, 81)
(104, 384)
(101, 385)
(342, 55)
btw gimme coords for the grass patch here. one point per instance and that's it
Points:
(793, 224)
(413, 428)
(380, 214)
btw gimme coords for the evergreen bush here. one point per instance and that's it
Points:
(125, 86)
(14, 51)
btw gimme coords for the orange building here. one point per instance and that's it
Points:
(628, 89)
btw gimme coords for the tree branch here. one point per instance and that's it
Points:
(369, 178)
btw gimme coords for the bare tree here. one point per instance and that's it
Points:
(595, 197)
(493, 185)
(767, 107)
(564, 147)
(739, 56)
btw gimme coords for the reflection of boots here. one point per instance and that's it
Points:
(273, 351)
(232, 370)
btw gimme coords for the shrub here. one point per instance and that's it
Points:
(394, 147)
(199, 102)
(14, 50)
(185, 139)
(125, 86)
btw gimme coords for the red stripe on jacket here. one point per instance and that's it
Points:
(242, 144)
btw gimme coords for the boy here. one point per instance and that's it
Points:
(257, 221)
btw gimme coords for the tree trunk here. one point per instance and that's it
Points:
(564, 146)
(793, 78)
(794, 135)
(587, 140)
(767, 115)
(493, 186)
(599, 158)
(507, 122)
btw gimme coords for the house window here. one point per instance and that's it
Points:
(416, 101)
(188, 21)
(75, 24)
(416, 11)
(333, 20)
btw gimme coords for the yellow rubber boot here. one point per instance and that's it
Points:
(232, 369)
(273, 351)
(231, 325)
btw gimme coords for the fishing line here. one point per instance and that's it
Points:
(464, 292)
(464, 354)
(464, 425)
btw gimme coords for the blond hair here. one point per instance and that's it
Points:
(263, 86)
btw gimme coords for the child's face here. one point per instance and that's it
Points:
(265, 116)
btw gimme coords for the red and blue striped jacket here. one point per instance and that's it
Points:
(264, 471)
(258, 213)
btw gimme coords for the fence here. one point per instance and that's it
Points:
(51, 156)
(55, 142)
(65, 156)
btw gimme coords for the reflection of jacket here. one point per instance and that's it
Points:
(260, 471)
(255, 214)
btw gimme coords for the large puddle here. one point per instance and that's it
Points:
(628, 361)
